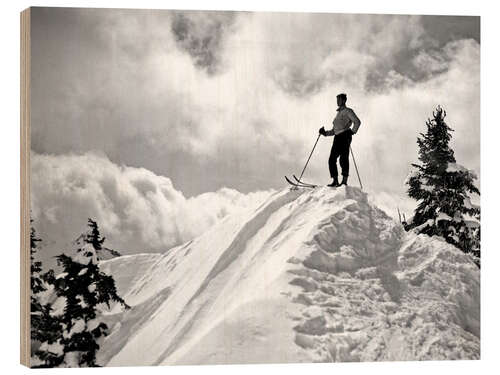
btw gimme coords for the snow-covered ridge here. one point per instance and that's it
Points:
(310, 275)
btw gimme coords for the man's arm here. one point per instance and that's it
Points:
(355, 121)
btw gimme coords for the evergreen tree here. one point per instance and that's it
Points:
(44, 327)
(83, 289)
(443, 188)
(36, 309)
(94, 235)
(36, 266)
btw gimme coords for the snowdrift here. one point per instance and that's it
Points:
(310, 275)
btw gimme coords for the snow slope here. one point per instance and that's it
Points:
(310, 275)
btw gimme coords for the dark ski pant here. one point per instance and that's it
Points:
(340, 149)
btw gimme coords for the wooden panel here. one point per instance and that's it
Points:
(25, 187)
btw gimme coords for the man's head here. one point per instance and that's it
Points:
(341, 99)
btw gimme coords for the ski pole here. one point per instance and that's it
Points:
(307, 162)
(355, 166)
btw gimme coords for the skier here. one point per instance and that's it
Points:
(342, 141)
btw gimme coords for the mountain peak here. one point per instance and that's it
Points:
(310, 275)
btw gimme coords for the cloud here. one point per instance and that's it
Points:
(202, 34)
(311, 52)
(123, 82)
(137, 210)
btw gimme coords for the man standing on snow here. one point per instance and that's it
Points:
(342, 141)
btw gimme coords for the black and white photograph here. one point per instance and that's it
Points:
(208, 187)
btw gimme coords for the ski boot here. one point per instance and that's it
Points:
(344, 181)
(335, 183)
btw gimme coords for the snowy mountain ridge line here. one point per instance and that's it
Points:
(316, 275)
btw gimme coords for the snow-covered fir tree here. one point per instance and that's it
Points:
(443, 190)
(37, 286)
(93, 236)
(45, 328)
(83, 290)
(36, 282)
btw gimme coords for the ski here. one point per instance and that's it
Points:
(304, 183)
(297, 185)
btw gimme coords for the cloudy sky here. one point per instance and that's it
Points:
(137, 113)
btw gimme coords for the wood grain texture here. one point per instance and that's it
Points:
(25, 340)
